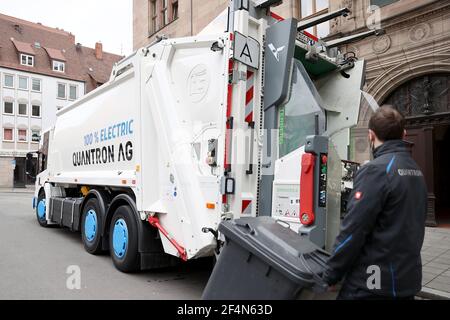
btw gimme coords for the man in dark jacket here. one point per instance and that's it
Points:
(378, 248)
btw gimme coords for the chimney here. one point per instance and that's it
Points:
(72, 37)
(99, 50)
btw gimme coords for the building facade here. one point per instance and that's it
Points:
(408, 68)
(182, 18)
(42, 70)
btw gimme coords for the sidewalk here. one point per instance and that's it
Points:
(436, 264)
(28, 189)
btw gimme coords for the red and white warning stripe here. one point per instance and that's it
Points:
(249, 101)
(228, 138)
(246, 207)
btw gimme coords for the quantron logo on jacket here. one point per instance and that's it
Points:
(410, 172)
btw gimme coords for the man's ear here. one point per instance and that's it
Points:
(404, 134)
(371, 135)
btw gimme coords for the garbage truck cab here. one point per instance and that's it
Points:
(189, 132)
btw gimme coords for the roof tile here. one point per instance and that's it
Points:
(23, 47)
(55, 54)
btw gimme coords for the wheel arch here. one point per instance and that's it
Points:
(41, 190)
(146, 233)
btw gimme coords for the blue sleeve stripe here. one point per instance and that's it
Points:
(388, 168)
(343, 243)
(394, 293)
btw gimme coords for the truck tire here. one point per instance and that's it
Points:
(90, 227)
(123, 240)
(40, 210)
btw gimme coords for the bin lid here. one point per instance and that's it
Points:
(280, 247)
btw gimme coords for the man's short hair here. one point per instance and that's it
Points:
(387, 123)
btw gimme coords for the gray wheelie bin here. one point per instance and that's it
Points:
(264, 260)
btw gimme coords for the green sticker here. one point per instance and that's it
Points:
(281, 125)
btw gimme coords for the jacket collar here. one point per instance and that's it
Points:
(390, 146)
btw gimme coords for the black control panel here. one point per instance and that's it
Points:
(323, 159)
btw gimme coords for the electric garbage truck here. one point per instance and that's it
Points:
(249, 118)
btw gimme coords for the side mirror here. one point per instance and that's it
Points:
(30, 168)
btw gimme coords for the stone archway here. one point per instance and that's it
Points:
(382, 87)
(424, 98)
(385, 84)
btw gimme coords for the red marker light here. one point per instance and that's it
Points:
(358, 195)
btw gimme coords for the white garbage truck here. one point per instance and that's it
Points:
(192, 131)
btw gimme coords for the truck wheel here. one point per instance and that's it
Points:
(123, 240)
(40, 210)
(90, 227)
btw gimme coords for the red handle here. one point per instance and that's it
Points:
(154, 221)
(307, 189)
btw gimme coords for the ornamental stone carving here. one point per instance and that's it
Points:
(419, 32)
(349, 5)
(381, 44)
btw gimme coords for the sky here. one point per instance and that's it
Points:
(91, 21)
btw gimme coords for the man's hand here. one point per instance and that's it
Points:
(332, 288)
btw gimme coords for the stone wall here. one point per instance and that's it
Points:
(6, 172)
(192, 19)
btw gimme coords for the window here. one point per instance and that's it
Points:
(174, 9)
(381, 3)
(301, 115)
(22, 135)
(9, 81)
(35, 135)
(61, 91)
(23, 109)
(73, 92)
(23, 83)
(161, 13)
(164, 13)
(36, 110)
(58, 66)
(153, 15)
(8, 108)
(26, 60)
(8, 134)
(313, 8)
(36, 85)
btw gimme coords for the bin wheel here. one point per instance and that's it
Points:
(123, 240)
(90, 227)
(41, 210)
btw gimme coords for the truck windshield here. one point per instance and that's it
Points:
(302, 115)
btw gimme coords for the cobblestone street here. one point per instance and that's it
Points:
(436, 263)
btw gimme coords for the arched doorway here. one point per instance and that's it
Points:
(425, 102)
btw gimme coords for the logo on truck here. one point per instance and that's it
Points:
(276, 51)
(198, 83)
(113, 152)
